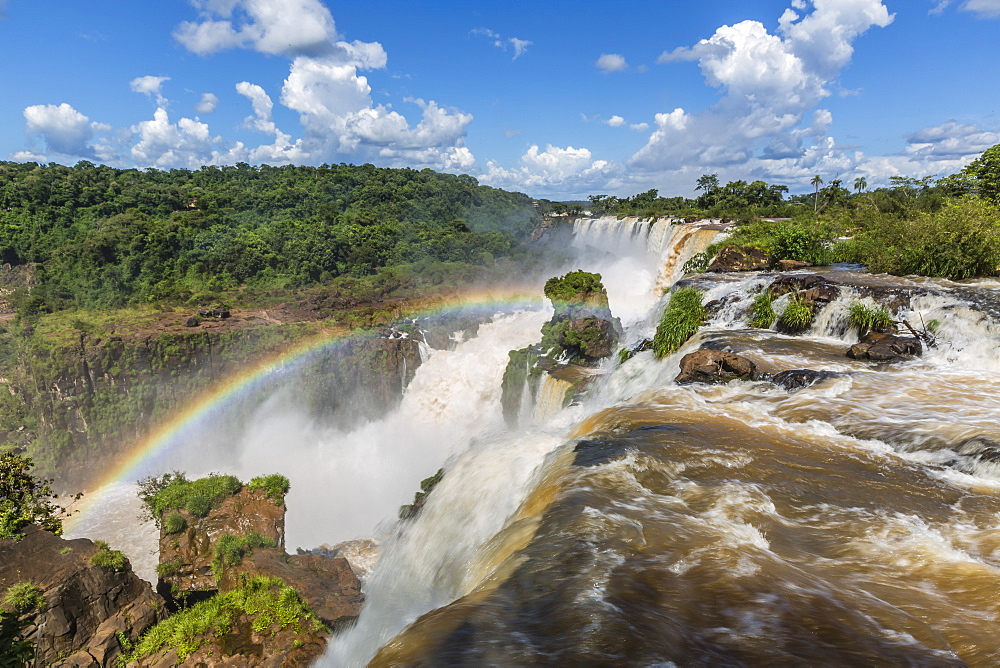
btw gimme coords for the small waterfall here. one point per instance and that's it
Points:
(551, 397)
(662, 245)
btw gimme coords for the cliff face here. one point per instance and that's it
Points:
(82, 395)
(86, 606)
(190, 552)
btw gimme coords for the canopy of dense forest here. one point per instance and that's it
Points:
(104, 237)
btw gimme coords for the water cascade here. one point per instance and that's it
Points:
(854, 520)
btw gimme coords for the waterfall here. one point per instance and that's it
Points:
(750, 507)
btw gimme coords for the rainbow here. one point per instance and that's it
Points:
(148, 455)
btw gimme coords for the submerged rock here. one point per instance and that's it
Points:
(792, 265)
(714, 366)
(85, 605)
(741, 258)
(796, 379)
(885, 347)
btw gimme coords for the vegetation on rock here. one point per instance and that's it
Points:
(865, 318)
(174, 523)
(796, 316)
(23, 597)
(427, 485)
(105, 557)
(681, 319)
(173, 491)
(230, 549)
(24, 499)
(269, 604)
(276, 486)
(762, 313)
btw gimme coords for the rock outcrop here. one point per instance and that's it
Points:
(580, 333)
(86, 605)
(186, 556)
(192, 562)
(714, 366)
(885, 347)
(741, 258)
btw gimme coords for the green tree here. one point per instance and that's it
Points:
(24, 499)
(860, 184)
(816, 182)
(985, 172)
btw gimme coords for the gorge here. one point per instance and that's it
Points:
(849, 520)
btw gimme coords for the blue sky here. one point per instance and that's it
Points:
(555, 99)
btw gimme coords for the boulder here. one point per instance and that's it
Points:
(714, 366)
(885, 347)
(190, 552)
(741, 258)
(792, 265)
(327, 584)
(795, 379)
(591, 337)
(86, 605)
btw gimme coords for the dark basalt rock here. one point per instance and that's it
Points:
(87, 606)
(741, 258)
(592, 337)
(796, 379)
(884, 347)
(714, 366)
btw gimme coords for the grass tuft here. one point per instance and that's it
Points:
(24, 597)
(105, 557)
(796, 316)
(276, 486)
(762, 313)
(681, 319)
(866, 318)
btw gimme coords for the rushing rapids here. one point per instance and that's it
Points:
(854, 520)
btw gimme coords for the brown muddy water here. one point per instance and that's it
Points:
(855, 521)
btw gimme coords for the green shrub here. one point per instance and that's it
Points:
(173, 491)
(105, 557)
(796, 316)
(268, 602)
(197, 505)
(762, 313)
(276, 486)
(24, 597)
(167, 568)
(625, 354)
(230, 549)
(961, 240)
(427, 485)
(174, 523)
(681, 319)
(866, 318)
(24, 499)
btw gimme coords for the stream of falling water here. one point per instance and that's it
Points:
(853, 521)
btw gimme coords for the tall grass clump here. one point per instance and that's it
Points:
(866, 318)
(276, 486)
(230, 549)
(23, 597)
(681, 319)
(762, 313)
(796, 316)
(270, 604)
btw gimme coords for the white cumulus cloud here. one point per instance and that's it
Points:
(989, 9)
(150, 86)
(615, 121)
(555, 170)
(289, 27)
(611, 62)
(186, 143)
(767, 120)
(64, 129)
(208, 103)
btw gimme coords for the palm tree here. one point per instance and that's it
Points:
(860, 184)
(817, 181)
